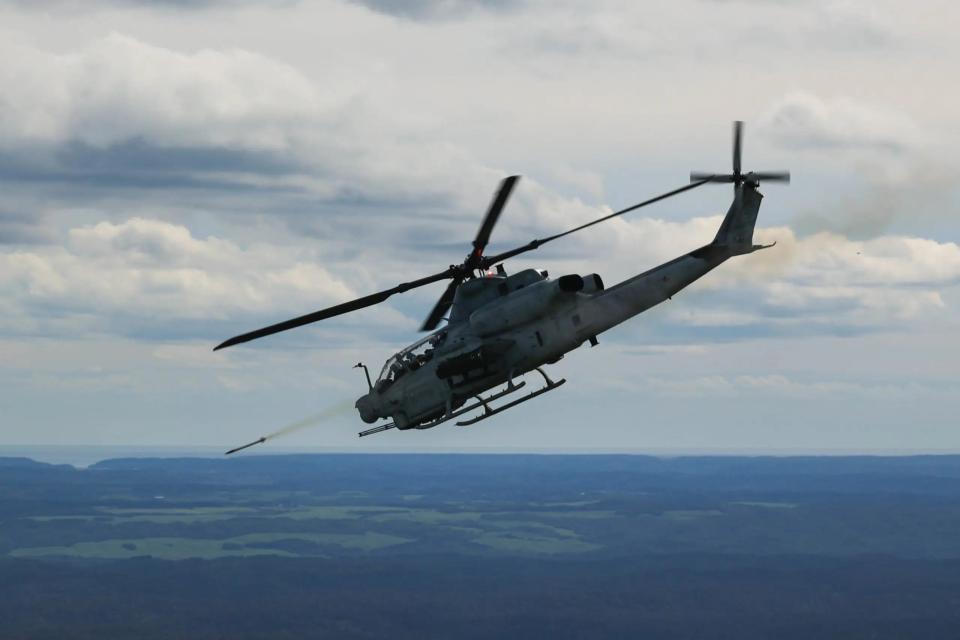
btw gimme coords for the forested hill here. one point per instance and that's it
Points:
(569, 472)
(412, 546)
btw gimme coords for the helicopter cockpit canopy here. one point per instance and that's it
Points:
(410, 359)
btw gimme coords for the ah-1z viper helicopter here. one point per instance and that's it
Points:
(503, 326)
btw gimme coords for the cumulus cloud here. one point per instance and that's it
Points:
(114, 277)
(149, 273)
(120, 89)
(801, 120)
(120, 113)
(124, 110)
(823, 284)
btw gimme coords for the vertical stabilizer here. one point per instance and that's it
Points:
(736, 230)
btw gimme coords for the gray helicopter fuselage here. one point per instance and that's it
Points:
(504, 326)
(501, 327)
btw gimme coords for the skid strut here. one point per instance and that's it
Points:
(488, 412)
(481, 402)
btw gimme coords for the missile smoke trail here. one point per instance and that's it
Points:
(336, 410)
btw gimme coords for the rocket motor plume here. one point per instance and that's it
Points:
(334, 411)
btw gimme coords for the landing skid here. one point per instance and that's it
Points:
(488, 412)
(481, 402)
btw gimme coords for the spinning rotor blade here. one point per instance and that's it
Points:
(456, 272)
(737, 144)
(474, 259)
(697, 176)
(767, 176)
(488, 262)
(493, 214)
(443, 304)
(336, 310)
(738, 177)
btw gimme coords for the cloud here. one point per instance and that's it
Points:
(437, 9)
(123, 114)
(924, 191)
(116, 278)
(824, 284)
(19, 227)
(119, 89)
(120, 112)
(805, 121)
(155, 279)
(905, 172)
(854, 25)
(76, 5)
(781, 386)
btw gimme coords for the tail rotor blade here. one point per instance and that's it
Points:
(737, 144)
(738, 177)
(768, 176)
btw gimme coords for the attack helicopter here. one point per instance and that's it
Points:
(502, 326)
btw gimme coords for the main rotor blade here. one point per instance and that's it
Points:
(493, 213)
(696, 176)
(737, 144)
(336, 310)
(443, 304)
(767, 176)
(534, 244)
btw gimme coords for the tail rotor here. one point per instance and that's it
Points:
(737, 177)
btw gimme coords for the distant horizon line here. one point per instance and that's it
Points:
(85, 455)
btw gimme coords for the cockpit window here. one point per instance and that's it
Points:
(410, 359)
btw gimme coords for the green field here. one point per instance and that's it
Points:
(175, 533)
(182, 548)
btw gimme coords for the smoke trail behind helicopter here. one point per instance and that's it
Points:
(336, 410)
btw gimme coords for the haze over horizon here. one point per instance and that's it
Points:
(176, 172)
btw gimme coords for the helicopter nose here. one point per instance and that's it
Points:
(368, 407)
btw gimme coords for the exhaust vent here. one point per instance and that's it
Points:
(570, 284)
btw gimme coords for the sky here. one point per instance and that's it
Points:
(175, 172)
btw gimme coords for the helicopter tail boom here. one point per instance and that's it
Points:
(639, 293)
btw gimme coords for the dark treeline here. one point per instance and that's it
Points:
(653, 597)
(414, 546)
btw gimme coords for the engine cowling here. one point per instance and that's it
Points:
(525, 305)
(570, 284)
(592, 283)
